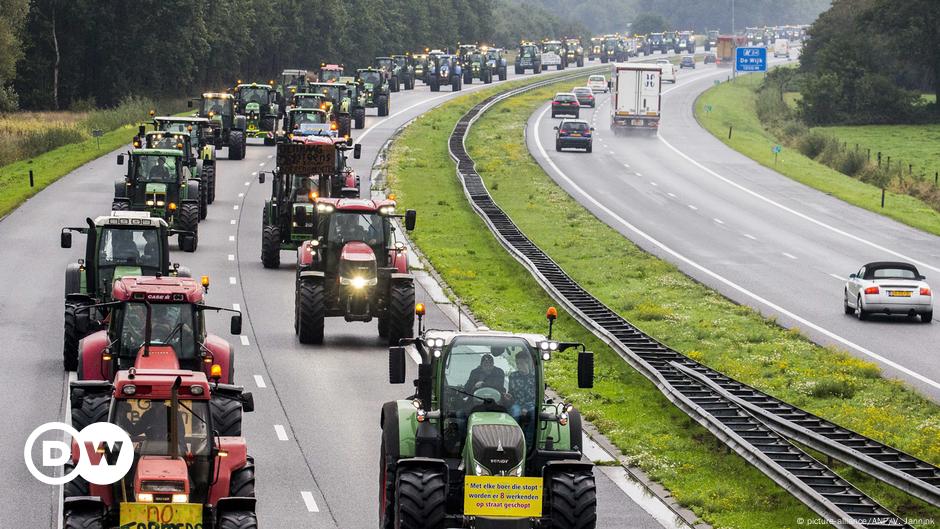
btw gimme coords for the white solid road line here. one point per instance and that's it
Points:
(803, 321)
(259, 381)
(719, 221)
(693, 208)
(281, 433)
(840, 278)
(790, 255)
(244, 340)
(309, 501)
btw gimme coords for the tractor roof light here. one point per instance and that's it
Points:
(204, 280)
(172, 206)
(419, 309)
(215, 372)
(312, 196)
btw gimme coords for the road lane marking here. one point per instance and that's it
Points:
(270, 156)
(254, 173)
(719, 221)
(235, 207)
(231, 238)
(248, 183)
(693, 208)
(638, 174)
(803, 321)
(231, 257)
(309, 501)
(244, 340)
(236, 306)
(281, 433)
(231, 280)
(262, 164)
(840, 278)
(751, 237)
(790, 255)
(233, 221)
(654, 184)
(240, 195)
(626, 165)
(673, 195)
(259, 381)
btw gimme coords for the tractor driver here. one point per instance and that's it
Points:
(486, 375)
(159, 172)
(123, 248)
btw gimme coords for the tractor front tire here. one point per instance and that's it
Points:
(401, 312)
(236, 145)
(271, 246)
(435, 85)
(94, 409)
(226, 416)
(468, 77)
(420, 498)
(238, 520)
(386, 487)
(312, 300)
(359, 116)
(573, 500)
(208, 170)
(203, 202)
(189, 221)
(383, 327)
(382, 105)
(268, 124)
(75, 487)
(345, 126)
(71, 337)
(79, 519)
(394, 85)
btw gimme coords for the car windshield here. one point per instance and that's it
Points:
(582, 90)
(597, 78)
(330, 75)
(217, 105)
(129, 247)
(155, 168)
(894, 272)
(553, 47)
(253, 95)
(564, 97)
(172, 324)
(348, 226)
(147, 422)
(574, 126)
(373, 78)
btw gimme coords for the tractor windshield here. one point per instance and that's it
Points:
(172, 324)
(327, 76)
(155, 168)
(385, 64)
(529, 51)
(308, 100)
(371, 77)
(308, 121)
(293, 80)
(147, 422)
(166, 141)
(476, 57)
(333, 92)
(400, 61)
(217, 106)
(552, 47)
(253, 95)
(349, 226)
(173, 126)
(483, 372)
(135, 247)
(492, 55)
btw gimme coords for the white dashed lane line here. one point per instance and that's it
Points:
(719, 221)
(231, 257)
(751, 237)
(244, 340)
(235, 207)
(693, 208)
(233, 222)
(259, 381)
(281, 432)
(840, 278)
(309, 501)
(231, 280)
(790, 255)
(231, 238)
(673, 195)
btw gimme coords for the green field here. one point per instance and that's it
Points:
(657, 297)
(733, 104)
(915, 144)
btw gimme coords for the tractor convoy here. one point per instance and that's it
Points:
(139, 329)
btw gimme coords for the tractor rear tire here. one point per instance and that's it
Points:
(71, 337)
(75, 487)
(271, 246)
(242, 481)
(468, 77)
(189, 221)
(401, 312)
(203, 201)
(120, 205)
(420, 498)
(435, 85)
(268, 124)
(359, 116)
(226, 416)
(238, 520)
(394, 85)
(345, 126)
(312, 299)
(573, 500)
(383, 327)
(208, 179)
(94, 409)
(381, 105)
(77, 519)
(236, 145)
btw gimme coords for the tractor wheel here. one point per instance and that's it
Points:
(401, 312)
(236, 145)
(312, 301)
(345, 125)
(238, 520)
(383, 327)
(386, 488)
(208, 171)
(120, 205)
(226, 417)
(420, 498)
(360, 118)
(203, 201)
(268, 124)
(70, 347)
(456, 84)
(435, 85)
(271, 246)
(468, 77)
(189, 221)
(382, 105)
(573, 500)
(242, 481)
(94, 409)
(410, 83)
(82, 520)
(394, 85)
(76, 487)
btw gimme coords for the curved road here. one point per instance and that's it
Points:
(754, 235)
(314, 434)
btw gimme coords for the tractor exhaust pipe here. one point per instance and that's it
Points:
(148, 329)
(174, 415)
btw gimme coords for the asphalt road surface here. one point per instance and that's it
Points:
(315, 431)
(754, 235)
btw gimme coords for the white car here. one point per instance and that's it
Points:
(669, 70)
(597, 83)
(888, 288)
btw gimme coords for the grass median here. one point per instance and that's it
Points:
(734, 105)
(720, 487)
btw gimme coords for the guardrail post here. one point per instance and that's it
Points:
(882, 198)
(31, 183)
(730, 127)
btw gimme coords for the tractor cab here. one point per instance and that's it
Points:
(330, 73)
(597, 43)
(479, 420)
(334, 93)
(227, 125)
(420, 66)
(202, 140)
(443, 70)
(218, 108)
(300, 122)
(354, 267)
(258, 102)
(291, 82)
(357, 101)
(157, 322)
(308, 100)
(187, 455)
(125, 243)
(197, 128)
(375, 86)
(528, 57)
(181, 141)
(574, 52)
(386, 64)
(403, 72)
(332, 98)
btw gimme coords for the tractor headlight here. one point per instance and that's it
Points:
(180, 498)
(324, 208)
(145, 497)
(480, 470)
(160, 203)
(149, 202)
(358, 282)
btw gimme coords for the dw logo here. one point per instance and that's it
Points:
(113, 449)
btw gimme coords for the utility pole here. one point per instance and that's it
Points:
(732, 17)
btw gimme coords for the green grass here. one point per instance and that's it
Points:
(720, 487)
(733, 104)
(915, 144)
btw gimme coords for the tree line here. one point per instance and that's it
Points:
(96, 52)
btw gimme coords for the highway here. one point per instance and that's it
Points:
(315, 431)
(754, 235)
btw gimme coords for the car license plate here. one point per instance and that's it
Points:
(638, 122)
(899, 293)
(161, 514)
(575, 135)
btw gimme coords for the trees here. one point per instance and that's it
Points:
(646, 23)
(12, 16)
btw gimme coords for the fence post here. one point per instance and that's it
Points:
(868, 153)
(879, 158)
(730, 127)
(882, 198)
(31, 184)
(910, 168)
(936, 174)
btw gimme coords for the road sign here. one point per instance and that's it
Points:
(750, 59)
(777, 149)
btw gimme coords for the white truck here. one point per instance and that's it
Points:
(637, 93)
(782, 48)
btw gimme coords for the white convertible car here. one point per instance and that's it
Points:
(888, 288)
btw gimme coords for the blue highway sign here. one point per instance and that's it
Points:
(751, 59)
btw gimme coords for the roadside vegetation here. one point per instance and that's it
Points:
(657, 297)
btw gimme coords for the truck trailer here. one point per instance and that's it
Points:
(636, 96)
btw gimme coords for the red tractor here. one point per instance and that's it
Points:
(184, 472)
(353, 267)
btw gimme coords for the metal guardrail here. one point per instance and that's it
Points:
(751, 422)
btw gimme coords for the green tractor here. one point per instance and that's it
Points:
(337, 102)
(392, 73)
(125, 243)
(291, 82)
(330, 73)
(574, 52)
(228, 126)
(308, 167)
(357, 101)
(159, 182)
(405, 69)
(496, 62)
(202, 139)
(479, 444)
(420, 61)
(181, 142)
(475, 64)
(375, 87)
(258, 103)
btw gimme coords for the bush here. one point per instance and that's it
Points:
(792, 130)
(813, 143)
(9, 100)
(130, 110)
(852, 162)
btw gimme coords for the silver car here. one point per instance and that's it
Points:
(888, 288)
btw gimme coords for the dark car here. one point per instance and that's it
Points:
(573, 133)
(585, 96)
(710, 58)
(687, 62)
(566, 103)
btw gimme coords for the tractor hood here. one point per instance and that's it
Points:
(357, 252)
(162, 477)
(495, 444)
(155, 187)
(161, 357)
(357, 265)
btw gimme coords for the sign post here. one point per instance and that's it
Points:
(750, 59)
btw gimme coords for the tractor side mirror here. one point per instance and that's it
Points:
(189, 103)
(65, 239)
(248, 402)
(236, 324)
(120, 159)
(396, 365)
(142, 130)
(260, 177)
(585, 369)
(411, 216)
(300, 215)
(357, 151)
